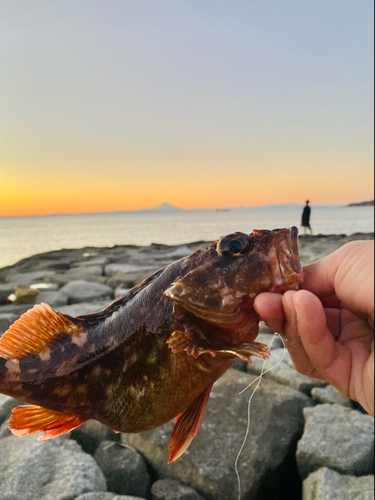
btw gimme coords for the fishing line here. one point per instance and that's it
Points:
(258, 380)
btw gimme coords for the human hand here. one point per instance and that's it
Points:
(329, 324)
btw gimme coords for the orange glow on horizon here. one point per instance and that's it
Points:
(122, 109)
(46, 193)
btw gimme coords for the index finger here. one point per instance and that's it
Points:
(319, 277)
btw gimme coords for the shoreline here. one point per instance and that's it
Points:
(304, 240)
(291, 407)
(81, 280)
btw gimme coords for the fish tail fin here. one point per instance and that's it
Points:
(26, 420)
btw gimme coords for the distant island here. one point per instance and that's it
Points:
(362, 204)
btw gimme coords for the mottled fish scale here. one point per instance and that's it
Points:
(152, 354)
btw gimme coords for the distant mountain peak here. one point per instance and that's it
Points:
(166, 207)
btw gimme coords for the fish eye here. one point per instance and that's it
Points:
(233, 246)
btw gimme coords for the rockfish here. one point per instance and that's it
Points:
(154, 353)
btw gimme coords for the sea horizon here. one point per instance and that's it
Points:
(166, 208)
(22, 237)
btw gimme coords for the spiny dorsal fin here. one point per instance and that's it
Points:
(34, 331)
(31, 419)
(95, 317)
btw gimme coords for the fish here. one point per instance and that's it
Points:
(154, 353)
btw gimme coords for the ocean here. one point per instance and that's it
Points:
(22, 237)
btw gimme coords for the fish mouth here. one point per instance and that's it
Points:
(290, 268)
(285, 270)
(217, 317)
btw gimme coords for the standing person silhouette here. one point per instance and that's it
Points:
(306, 217)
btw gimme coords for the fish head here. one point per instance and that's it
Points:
(221, 281)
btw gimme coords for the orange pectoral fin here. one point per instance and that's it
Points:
(31, 419)
(187, 425)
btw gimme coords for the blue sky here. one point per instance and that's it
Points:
(144, 102)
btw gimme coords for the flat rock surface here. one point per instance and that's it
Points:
(106, 496)
(209, 464)
(21, 279)
(281, 370)
(5, 290)
(170, 489)
(336, 437)
(327, 484)
(53, 298)
(6, 406)
(83, 307)
(90, 434)
(86, 291)
(330, 395)
(124, 469)
(6, 319)
(112, 269)
(47, 470)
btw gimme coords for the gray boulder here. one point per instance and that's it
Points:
(170, 489)
(268, 339)
(6, 406)
(6, 319)
(4, 432)
(6, 289)
(53, 298)
(74, 275)
(21, 279)
(14, 309)
(179, 252)
(45, 287)
(85, 291)
(129, 279)
(112, 269)
(282, 371)
(47, 470)
(121, 290)
(330, 395)
(106, 496)
(124, 469)
(263, 338)
(336, 437)
(91, 434)
(326, 484)
(99, 261)
(209, 464)
(80, 271)
(83, 308)
(25, 295)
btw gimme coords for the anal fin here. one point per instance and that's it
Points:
(187, 425)
(31, 419)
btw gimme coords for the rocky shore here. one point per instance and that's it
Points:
(306, 441)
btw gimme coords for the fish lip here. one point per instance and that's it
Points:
(215, 317)
(209, 315)
(288, 256)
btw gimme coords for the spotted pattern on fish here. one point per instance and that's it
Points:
(119, 365)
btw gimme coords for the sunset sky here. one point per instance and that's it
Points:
(122, 105)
